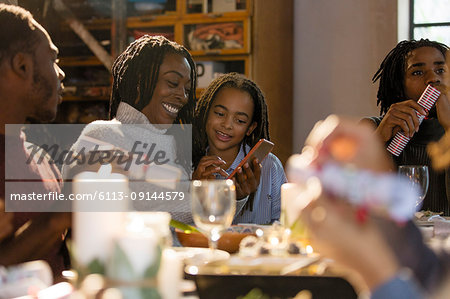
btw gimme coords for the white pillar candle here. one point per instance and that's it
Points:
(294, 198)
(141, 249)
(157, 221)
(136, 250)
(93, 235)
(95, 230)
(170, 275)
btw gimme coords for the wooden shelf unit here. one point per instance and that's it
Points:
(176, 24)
(266, 55)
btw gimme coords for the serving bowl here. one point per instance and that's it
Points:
(229, 241)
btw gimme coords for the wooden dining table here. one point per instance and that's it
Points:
(321, 278)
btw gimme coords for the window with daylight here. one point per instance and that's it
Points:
(430, 19)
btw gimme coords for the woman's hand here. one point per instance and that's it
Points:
(400, 117)
(335, 233)
(332, 223)
(207, 167)
(247, 178)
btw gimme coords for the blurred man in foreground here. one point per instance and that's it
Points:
(30, 86)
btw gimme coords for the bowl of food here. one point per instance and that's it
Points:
(229, 241)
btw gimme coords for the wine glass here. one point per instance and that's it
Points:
(213, 205)
(418, 175)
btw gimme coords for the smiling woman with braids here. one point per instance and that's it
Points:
(230, 118)
(157, 78)
(153, 88)
(403, 75)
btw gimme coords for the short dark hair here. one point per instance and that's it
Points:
(18, 33)
(392, 71)
(230, 80)
(138, 66)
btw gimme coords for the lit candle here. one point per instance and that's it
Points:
(170, 275)
(135, 259)
(95, 229)
(141, 250)
(294, 198)
(157, 221)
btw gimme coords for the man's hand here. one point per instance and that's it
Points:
(400, 117)
(6, 226)
(35, 240)
(443, 106)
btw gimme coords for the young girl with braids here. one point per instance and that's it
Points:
(403, 75)
(230, 118)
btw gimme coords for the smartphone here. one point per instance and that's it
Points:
(261, 149)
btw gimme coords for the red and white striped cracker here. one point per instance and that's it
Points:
(427, 100)
(428, 97)
(398, 144)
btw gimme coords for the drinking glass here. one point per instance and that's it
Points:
(213, 205)
(418, 175)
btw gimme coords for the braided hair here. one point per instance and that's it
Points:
(135, 74)
(240, 82)
(392, 71)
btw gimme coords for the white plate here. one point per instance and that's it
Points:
(425, 222)
(271, 263)
(266, 265)
(197, 255)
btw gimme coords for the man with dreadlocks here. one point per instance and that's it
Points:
(154, 82)
(403, 75)
(230, 118)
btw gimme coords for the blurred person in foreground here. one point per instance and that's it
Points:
(391, 257)
(30, 87)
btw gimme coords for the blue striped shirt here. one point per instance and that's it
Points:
(267, 200)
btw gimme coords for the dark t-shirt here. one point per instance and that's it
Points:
(41, 177)
(415, 153)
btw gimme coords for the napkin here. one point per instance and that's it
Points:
(442, 228)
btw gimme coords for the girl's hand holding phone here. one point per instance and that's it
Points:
(247, 179)
(208, 167)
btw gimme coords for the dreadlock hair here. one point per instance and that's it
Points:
(18, 33)
(135, 74)
(392, 71)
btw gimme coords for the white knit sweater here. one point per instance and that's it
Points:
(132, 131)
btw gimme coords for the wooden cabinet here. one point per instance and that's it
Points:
(218, 41)
(253, 37)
